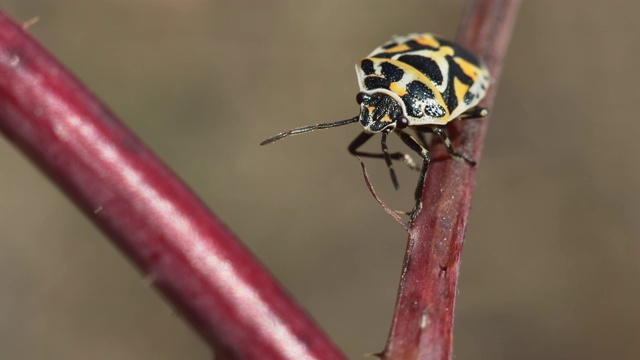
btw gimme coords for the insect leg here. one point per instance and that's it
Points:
(474, 113)
(364, 137)
(442, 133)
(424, 153)
(309, 128)
(420, 135)
(387, 159)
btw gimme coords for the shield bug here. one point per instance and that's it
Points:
(417, 81)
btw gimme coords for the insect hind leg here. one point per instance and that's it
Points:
(474, 113)
(416, 146)
(442, 133)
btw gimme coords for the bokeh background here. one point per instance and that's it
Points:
(551, 262)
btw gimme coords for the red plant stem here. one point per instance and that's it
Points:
(422, 326)
(186, 252)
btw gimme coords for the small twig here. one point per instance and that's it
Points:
(423, 321)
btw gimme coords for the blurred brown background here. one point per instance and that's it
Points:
(551, 263)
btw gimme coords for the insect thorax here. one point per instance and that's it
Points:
(378, 112)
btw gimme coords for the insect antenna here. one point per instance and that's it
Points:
(309, 128)
(387, 159)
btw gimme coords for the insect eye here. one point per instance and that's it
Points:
(402, 123)
(361, 97)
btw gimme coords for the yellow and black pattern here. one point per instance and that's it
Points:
(432, 79)
(416, 82)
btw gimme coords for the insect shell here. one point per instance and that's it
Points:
(420, 81)
(431, 81)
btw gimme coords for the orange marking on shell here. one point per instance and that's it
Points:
(398, 48)
(468, 68)
(446, 50)
(428, 40)
(398, 89)
(460, 89)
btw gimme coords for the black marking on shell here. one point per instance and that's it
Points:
(449, 94)
(375, 82)
(412, 106)
(384, 55)
(469, 97)
(367, 66)
(461, 52)
(419, 90)
(426, 66)
(434, 110)
(391, 72)
(390, 45)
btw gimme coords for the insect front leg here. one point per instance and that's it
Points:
(364, 137)
(424, 153)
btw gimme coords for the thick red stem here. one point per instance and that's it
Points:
(180, 246)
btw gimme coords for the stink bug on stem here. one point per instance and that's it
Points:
(417, 81)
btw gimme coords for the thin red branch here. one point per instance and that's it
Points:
(422, 326)
(183, 249)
